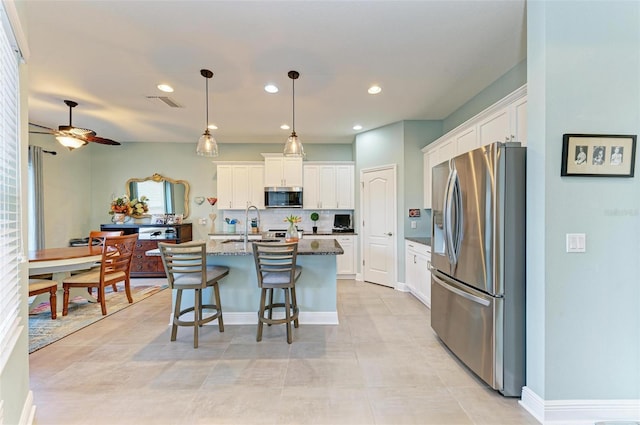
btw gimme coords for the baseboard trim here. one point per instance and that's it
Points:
(28, 415)
(580, 412)
(251, 318)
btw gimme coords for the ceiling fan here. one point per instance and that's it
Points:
(74, 137)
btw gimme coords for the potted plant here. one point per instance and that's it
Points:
(314, 218)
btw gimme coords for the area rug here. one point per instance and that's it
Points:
(44, 331)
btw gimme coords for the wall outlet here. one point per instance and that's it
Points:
(202, 221)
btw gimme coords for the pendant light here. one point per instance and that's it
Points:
(293, 146)
(207, 145)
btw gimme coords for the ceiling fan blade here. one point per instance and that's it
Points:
(41, 132)
(101, 140)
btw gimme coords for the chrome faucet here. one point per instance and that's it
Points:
(246, 223)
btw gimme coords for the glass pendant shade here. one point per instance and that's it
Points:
(70, 143)
(293, 146)
(207, 145)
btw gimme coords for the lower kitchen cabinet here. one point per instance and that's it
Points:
(417, 274)
(345, 263)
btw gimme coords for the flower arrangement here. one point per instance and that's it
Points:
(293, 220)
(134, 207)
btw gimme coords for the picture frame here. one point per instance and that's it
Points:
(414, 212)
(598, 155)
(157, 219)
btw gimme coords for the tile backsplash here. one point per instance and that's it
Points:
(274, 218)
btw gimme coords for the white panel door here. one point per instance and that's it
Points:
(379, 226)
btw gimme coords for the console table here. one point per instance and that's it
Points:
(148, 237)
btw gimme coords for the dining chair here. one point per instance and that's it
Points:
(276, 269)
(96, 238)
(186, 268)
(115, 265)
(42, 286)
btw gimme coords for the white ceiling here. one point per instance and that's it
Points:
(430, 57)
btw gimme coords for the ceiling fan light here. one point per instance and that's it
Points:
(207, 145)
(293, 146)
(70, 143)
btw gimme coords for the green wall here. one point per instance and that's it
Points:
(583, 320)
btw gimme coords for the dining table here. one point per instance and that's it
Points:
(60, 262)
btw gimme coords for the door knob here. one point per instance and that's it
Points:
(389, 234)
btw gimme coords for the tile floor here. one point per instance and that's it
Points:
(381, 365)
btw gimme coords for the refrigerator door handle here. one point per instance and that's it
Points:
(456, 239)
(460, 292)
(448, 213)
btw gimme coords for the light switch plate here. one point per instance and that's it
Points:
(576, 242)
(414, 225)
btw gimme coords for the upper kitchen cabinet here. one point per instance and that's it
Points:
(328, 186)
(504, 121)
(240, 185)
(282, 171)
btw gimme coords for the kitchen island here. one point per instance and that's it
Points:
(316, 289)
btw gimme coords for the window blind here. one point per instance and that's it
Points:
(10, 225)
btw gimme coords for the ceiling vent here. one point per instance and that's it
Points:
(167, 101)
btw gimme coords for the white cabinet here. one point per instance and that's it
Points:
(240, 186)
(504, 121)
(328, 186)
(282, 171)
(346, 263)
(432, 157)
(417, 274)
(466, 141)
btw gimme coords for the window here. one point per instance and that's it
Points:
(10, 225)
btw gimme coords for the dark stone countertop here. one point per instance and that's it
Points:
(305, 247)
(423, 241)
(235, 248)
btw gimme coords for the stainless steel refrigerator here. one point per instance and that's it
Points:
(478, 262)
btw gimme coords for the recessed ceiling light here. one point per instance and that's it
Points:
(270, 88)
(165, 88)
(357, 127)
(374, 90)
(212, 127)
(285, 127)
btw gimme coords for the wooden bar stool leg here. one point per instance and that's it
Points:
(176, 315)
(294, 304)
(53, 301)
(216, 290)
(197, 310)
(263, 296)
(287, 313)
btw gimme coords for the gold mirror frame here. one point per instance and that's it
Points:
(159, 179)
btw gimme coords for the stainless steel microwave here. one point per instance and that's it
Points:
(283, 197)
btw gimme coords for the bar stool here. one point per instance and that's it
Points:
(42, 286)
(186, 267)
(276, 269)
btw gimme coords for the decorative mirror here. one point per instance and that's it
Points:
(166, 195)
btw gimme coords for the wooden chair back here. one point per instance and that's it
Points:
(97, 236)
(117, 253)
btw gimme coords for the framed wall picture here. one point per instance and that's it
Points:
(598, 155)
